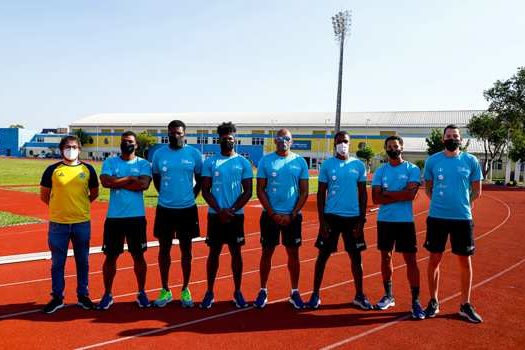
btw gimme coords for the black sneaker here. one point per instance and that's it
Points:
(432, 308)
(467, 310)
(85, 303)
(53, 305)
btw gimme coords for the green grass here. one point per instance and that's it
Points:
(8, 219)
(16, 172)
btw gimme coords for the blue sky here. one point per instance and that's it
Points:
(62, 60)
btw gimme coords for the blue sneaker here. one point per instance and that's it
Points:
(296, 301)
(385, 302)
(417, 311)
(207, 301)
(238, 300)
(362, 302)
(314, 302)
(261, 300)
(105, 302)
(142, 299)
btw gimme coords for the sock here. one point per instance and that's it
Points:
(388, 288)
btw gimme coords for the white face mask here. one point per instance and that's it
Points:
(342, 149)
(71, 154)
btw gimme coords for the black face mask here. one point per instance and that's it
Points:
(176, 141)
(226, 146)
(393, 154)
(452, 144)
(126, 148)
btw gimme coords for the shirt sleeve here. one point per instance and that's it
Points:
(93, 179)
(304, 169)
(475, 173)
(322, 172)
(362, 172)
(415, 174)
(47, 176)
(428, 170)
(206, 168)
(247, 172)
(261, 171)
(378, 174)
(107, 168)
(145, 168)
(198, 162)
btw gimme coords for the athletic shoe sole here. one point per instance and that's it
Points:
(362, 306)
(470, 319)
(186, 304)
(202, 306)
(161, 303)
(433, 314)
(262, 305)
(389, 305)
(54, 309)
(239, 306)
(143, 306)
(107, 306)
(85, 307)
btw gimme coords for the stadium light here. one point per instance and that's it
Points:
(341, 23)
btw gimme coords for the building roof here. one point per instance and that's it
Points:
(415, 119)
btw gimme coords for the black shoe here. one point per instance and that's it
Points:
(53, 305)
(432, 309)
(85, 303)
(467, 310)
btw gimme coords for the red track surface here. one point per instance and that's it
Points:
(499, 265)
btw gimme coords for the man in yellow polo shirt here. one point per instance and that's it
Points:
(68, 187)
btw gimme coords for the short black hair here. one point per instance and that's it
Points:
(177, 124)
(341, 133)
(226, 128)
(68, 138)
(129, 133)
(394, 137)
(450, 126)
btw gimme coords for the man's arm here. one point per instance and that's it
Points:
(321, 202)
(303, 196)
(263, 197)
(93, 193)
(428, 188)
(380, 196)
(247, 190)
(132, 183)
(45, 194)
(363, 198)
(207, 195)
(475, 191)
(156, 182)
(198, 184)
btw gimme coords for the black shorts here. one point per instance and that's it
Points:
(133, 230)
(338, 225)
(231, 233)
(461, 236)
(270, 232)
(402, 234)
(182, 224)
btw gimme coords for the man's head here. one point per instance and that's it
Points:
(283, 140)
(128, 142)
(226, 132)
(176, 132)
(70, 147)
(451, 137)
(394, 146)
(342, 143)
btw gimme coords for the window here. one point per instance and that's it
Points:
(245, 155)
(215, 140)
(201, 138)
(39, 139)
(165, 139)
(258, 141)
(208, 154)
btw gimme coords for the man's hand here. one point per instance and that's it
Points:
(226, 215)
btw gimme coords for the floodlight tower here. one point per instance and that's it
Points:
(342, 22)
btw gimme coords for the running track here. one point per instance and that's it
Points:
(499, 266)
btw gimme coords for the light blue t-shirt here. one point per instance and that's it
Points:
(176, 169)
(452, 178)
(125, 203)
(342, 177)
(226, 175)
(394, 179)
(282, 175)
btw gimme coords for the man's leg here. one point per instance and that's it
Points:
(58, 241)
(320, 265)
(294, 267)
(265, 265)
(236, 265)
(433, 274)
(387, 269)
(164, 259)
(212, 265)
(140, 267)
(357, 270)
(185, 261)
(412, 274)
(109, 269)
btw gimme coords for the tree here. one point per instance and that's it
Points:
(17, 126)
(83, 136)
(490, 129)
(507, 101)
(435, 142)
(144, 141)
(366, 153)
